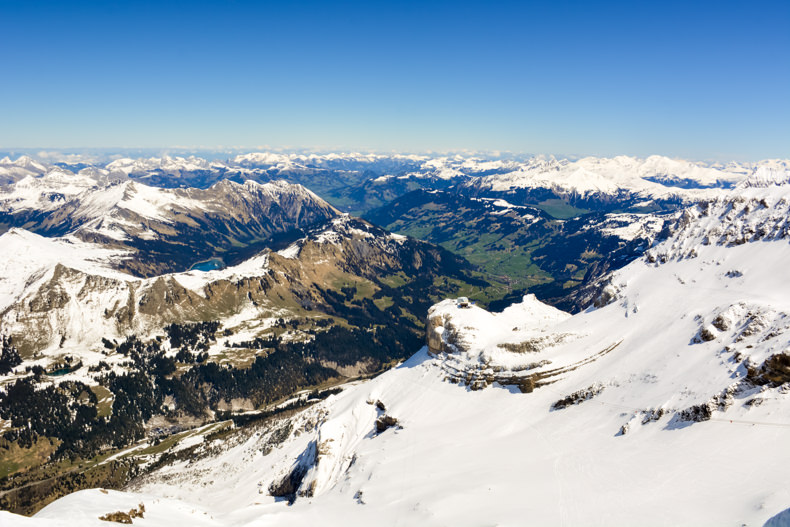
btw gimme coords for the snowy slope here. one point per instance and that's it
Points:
(653, 178)
(72, 294)
(633, 454)
(12, 171)
(664, 407)
(30, 260)
(45, 192)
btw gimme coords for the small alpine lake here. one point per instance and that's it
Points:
(211, 264)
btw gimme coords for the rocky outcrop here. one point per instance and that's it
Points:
(290, 485)
(385, 422)
(751, 215)
(578, 397)
(775, 371)
(435, 333)
(468, 342)
(444, 335)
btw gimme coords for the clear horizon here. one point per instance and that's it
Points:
(704, 82)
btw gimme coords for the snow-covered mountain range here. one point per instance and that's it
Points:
(23, 166)
(666, 403)
(167, 228)
(655, 175)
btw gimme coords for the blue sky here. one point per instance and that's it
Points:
(701, 80)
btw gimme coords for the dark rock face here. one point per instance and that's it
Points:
(577, 397)
(288, 486)
(706, 335)
(385, 422)
(721, 323)
(696, 413)
(775, 371)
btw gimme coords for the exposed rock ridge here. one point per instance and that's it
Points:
(751, 215)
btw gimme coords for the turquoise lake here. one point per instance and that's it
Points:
(208, 265)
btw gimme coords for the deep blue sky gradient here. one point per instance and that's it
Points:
(701, 80)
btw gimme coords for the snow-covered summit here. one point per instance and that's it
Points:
(119, 210)
(277, 189)
(30, 260)
(14, 170)
(653, 177)
(458, 327)
(768, 173)
(170, 165)
(282, 160)
(341, 229)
